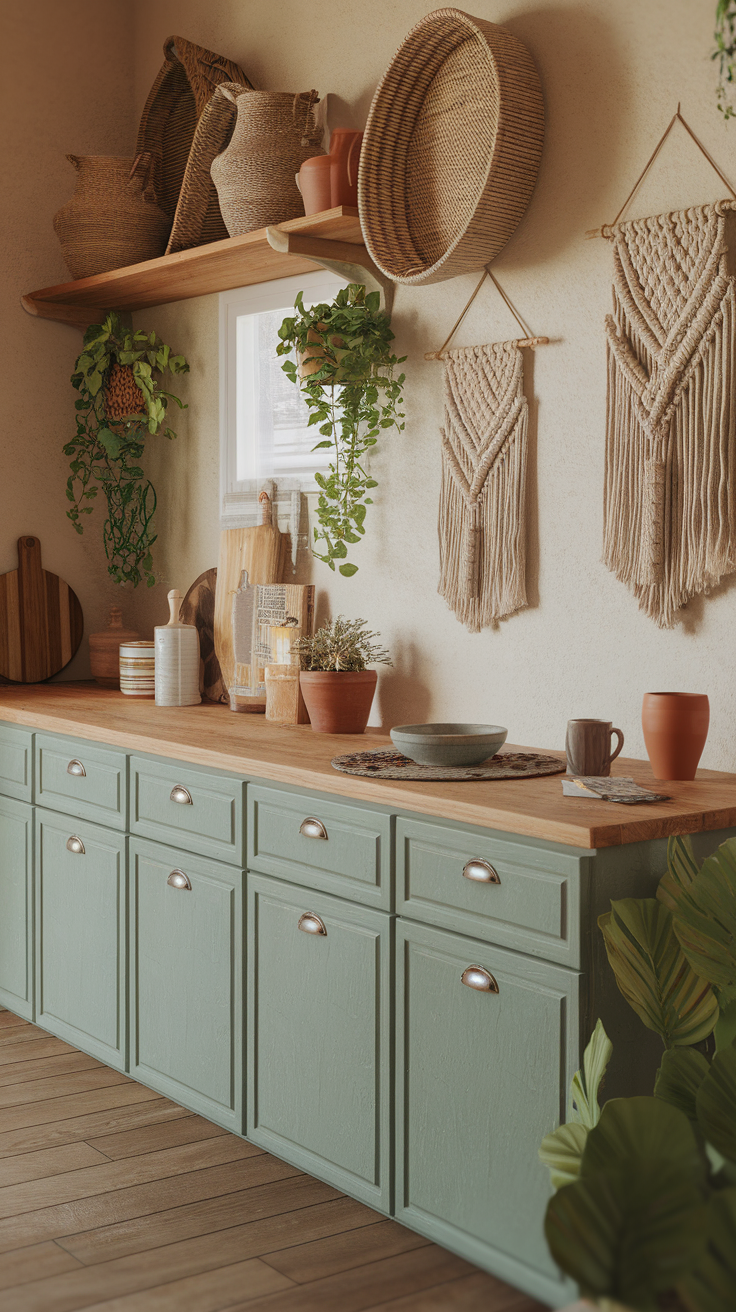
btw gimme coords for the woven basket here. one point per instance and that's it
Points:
(176, 101)
(198, 219)
(256, 176)
(451, 149)
(123, 397)
(112, 219)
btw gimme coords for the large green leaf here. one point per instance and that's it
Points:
(680, 873)
(653, 974)
(716, 1103)
(562, 1152)
(711, 1286)
(586, 1082)
(705, 920)
(635, 1221)
(679, 1077)
(725, 1030)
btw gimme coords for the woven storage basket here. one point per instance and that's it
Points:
(451, 149)
(198, 219)
(176, 101)
(112, 219)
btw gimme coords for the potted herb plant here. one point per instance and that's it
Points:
(345, 369)
(121, 401)
(336, 684)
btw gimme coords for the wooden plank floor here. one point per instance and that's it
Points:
(115, 1199)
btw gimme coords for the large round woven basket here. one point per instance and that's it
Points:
(451, 149)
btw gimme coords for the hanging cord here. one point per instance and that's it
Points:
(676, 117)
(527, 340)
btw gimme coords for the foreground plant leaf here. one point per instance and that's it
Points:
(679, 1077)
(716, 1103)
(711, 1286)
(653, 974)
(635, 1221)
(562, 1152)
(705, 920)
(680, 873)
(587, 1081)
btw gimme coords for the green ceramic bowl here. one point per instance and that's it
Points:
(448, 744)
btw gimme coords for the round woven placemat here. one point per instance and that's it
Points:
(383, 763)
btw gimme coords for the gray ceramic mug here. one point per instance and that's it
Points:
(588, 746)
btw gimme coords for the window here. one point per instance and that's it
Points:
(263, 417)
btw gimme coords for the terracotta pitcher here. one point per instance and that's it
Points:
(112, 219)
(675, 728)
(315, 184)
(344, 155)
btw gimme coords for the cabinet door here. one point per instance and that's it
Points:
(81, 935)
(319, 1052)
(482, 1077)
(186, 953)
(16, 907)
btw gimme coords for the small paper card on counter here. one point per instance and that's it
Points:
(622, 790)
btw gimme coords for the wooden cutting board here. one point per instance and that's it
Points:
(262, 552)
(41, 622)
(198, 608)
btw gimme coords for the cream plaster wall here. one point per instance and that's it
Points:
(66, 87)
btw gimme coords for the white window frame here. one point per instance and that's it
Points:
(239, 500)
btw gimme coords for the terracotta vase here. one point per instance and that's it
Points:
(675, 728)
(112, 219)
(338, 701)
(104, 649)
(315, 184)
(344, 156)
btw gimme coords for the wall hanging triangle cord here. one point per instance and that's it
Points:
(482, 517)
(670, 477)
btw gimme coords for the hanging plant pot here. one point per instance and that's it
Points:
(123, 397)
(338, 701)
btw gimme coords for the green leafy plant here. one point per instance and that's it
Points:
(345, 369)
(645, 1208)
(121, 401)
(341, 645)
(725, 54)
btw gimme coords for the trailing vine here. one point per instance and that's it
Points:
(346, 373)
(725, 53)
(120, 402)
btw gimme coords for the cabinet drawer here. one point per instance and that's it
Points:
(81, 931)
(16, 761)
(345, 850)
(175, 804)
(529, 897)
(16, 906)
(80, 779)
(319, 1065)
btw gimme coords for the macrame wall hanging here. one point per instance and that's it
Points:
(482, 518)
(670, 482)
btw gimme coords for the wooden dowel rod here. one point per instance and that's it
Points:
(522, 341)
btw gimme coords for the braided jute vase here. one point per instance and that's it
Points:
(112, 219)
(256, 176)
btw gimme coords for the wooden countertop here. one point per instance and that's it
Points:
(293, 754)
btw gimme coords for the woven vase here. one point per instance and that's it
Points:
(256, 176)
(112, 219)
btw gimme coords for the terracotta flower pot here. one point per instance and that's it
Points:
(338, 701)
(675, 728)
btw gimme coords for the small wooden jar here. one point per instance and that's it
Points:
(104, 649)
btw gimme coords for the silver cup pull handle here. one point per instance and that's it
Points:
(311, 827)
(177, 879)
(311, 924)
(181, 795)
(75, 767)
(481, 872)
(477, 978)
(74, 844)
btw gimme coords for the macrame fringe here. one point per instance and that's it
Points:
(482, 519)
(670, 484)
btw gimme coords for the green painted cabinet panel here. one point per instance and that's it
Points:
(207, 817)
(16, 907)
(16, 762)
(319, 1059)
(534, 907)
(81, 935)
(481, 1078)
(186, 957)
(352, 860)
(80, 779)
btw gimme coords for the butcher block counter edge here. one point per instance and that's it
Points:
(250, 746)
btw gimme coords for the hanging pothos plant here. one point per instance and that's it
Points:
(120, 402)
(345, 371)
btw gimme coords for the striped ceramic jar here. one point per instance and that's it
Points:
(137, 669)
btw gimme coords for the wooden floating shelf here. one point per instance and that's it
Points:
(235, 262)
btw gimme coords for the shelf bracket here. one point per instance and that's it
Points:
(348, 260)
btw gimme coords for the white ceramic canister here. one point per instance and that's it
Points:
(136, 669)
(177, 659)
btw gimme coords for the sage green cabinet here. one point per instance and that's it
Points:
(81, 935)
(16, 907)
(81, 779)
(186, 952)
(319, 1058)
(202, 811)
(482, 1076)
(16, 762)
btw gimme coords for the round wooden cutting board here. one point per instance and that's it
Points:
(41, 622)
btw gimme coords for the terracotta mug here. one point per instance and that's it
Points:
(588, 747)
(675, 728)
